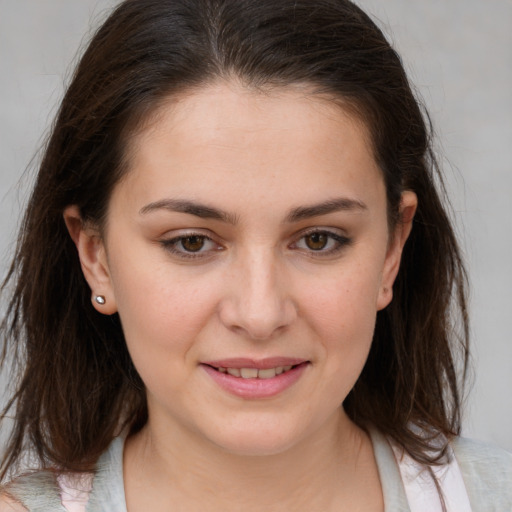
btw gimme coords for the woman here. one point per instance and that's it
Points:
(236, 282)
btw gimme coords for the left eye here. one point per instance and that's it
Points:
(317, 241)
(322, 242)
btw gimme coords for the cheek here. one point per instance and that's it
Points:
(343, 315)
(346, 303)
(161, 310)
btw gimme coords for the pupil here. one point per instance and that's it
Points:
(193, 243)
(316, 241)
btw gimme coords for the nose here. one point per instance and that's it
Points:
(258, 303)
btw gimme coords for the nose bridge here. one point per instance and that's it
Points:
(259, 304)
(261, 274)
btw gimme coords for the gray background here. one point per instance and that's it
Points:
(459, 55)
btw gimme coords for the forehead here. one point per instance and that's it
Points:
(227, 137)
(212, 110)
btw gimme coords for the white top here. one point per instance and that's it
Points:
(478, 479)
(420, 482)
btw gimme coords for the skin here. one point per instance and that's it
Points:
(259, 286)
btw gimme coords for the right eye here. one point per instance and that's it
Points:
(191, 246)
(192, 243)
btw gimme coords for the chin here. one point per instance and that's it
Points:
(257, 438)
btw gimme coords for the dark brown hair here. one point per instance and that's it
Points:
(76, 385)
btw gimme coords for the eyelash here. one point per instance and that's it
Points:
(340, 242)
(171, 246)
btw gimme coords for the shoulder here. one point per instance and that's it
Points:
(32, 491)
(487, 473)
(51, 490)
(8, 504)
(483, 458)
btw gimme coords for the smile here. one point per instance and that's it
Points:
(251, 379)
(255, 373)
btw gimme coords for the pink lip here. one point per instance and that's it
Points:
(255, 388)
(261, 364)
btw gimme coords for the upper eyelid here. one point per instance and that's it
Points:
(176, 239)
(320, 229)
(335, 232)
(170, 237)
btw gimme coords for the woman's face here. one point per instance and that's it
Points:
(249, 236)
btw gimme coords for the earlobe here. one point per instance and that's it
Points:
(408, 206)
(93, 260)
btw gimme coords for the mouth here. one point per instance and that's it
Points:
(256, 379)
(255, 373)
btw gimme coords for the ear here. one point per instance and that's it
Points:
(408, 206)
(93, 259)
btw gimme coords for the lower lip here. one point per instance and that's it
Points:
(256, 388)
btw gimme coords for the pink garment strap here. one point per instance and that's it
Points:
(420, 488)
(75, 490)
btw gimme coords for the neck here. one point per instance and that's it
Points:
(313, 475)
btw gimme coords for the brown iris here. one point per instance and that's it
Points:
(316, 241)
(193, 243)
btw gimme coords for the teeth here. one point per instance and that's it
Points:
(249, 373)
(254, 373)
(267, 374)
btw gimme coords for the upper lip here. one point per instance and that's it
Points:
(261, 364)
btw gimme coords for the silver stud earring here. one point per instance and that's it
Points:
(100, 300)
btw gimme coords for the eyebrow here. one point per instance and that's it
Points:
(295, 215)
(330, 206)
(190, 207)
